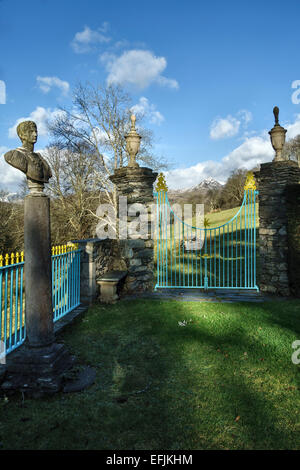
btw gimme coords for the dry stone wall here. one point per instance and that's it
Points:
(275, 250)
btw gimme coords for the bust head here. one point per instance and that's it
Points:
(27, 131)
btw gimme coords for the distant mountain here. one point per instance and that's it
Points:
(203, 187)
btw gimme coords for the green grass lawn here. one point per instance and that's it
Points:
(220, 218)
(223, 381)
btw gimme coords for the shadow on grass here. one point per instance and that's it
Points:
(286, 318)
(240, 410)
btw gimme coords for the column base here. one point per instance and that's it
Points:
(37, 371)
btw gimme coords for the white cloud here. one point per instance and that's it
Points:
(147, 109)
(224, 127)
(293, 129)
(169, 82)
(84, 40)
(40, 116)
(2, 92)
(229, 127)
(137, 67)
(46, 83)
(156, 117)
(121, 44)
(251, 152)
(245, 116)
(182, 178)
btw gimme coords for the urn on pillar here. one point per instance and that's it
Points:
(133, 141)
(277, 135)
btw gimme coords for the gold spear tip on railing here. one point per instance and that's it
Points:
(250, 182)
(15, 258)
(161, 183)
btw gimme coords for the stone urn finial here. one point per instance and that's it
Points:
(133, 141)
(276, 114)
(277, 135)
(133, 119)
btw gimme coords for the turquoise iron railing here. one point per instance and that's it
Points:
(65, 291)
(12, 318)
(210, 258)
(65, 281)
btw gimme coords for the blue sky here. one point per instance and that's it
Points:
(207, 74)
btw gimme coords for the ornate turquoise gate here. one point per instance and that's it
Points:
(222, 257)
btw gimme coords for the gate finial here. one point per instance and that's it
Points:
(250, 182)
(161, 183)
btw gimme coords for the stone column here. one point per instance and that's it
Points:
(136, 183)
(38, 271)
(273, 180)
(37, 368)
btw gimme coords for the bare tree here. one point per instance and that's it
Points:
(291, 149)
(232, 193)
(89, 144)
(74, 198)
(5, 222)
(11, 224)
(212, 199)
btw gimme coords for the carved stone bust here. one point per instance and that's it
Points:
(29, 162)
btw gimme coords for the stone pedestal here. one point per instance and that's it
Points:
(37, 371)
(273, 180)
(37, 367)
(136, 183)
(38, 271)
(109, 286)
(108, 292)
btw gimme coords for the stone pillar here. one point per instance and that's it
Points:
(273, 180)
(38, 271)
(136, 183)
(37, 368)
(293, 215)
